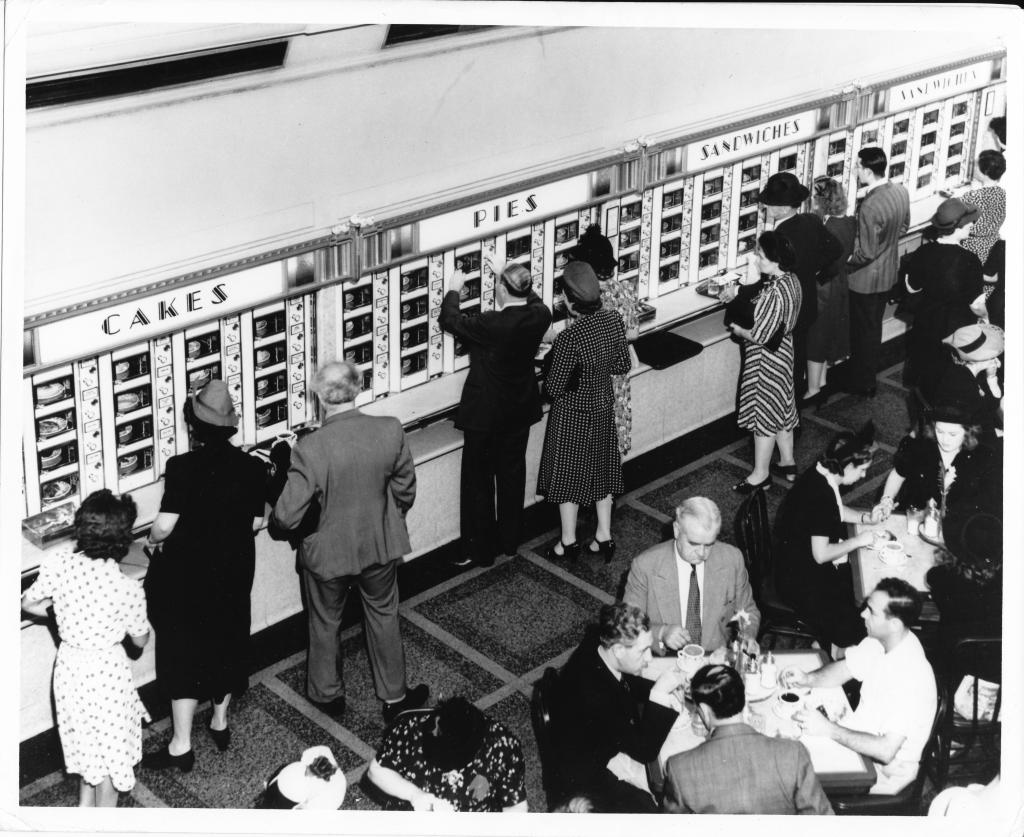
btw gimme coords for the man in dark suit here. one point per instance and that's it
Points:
(500, 401)
(715, 587)
(737, 770)
(816, 249)
(611, 722)
(359, 470)
(882, 218)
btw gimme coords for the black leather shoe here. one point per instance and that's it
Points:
(606, 549)
(335, 708)
(569, 550)
(744, 487)
(414, 699)
(163, 760)
(221, 737)
(788, 472)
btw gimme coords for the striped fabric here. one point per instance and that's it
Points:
(882, 217)
(767, 400)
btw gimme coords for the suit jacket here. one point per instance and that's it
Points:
(883, 216)
(739, 771)
(360, 470)
(500, 392)
(653, 586)
(816, 250)
(596, 718)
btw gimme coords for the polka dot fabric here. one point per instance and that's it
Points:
(499, 760)
(99, 712)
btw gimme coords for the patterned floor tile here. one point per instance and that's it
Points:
(427, 661)
(64, 794)
(517, 614)
(888, 409)
(713, 480)
(633, 532)
(267, 732)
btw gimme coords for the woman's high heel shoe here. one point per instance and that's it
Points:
(163, 760)
(569, 550)
(221, 737)
(744, 487)
(606, 549)
(786, 471)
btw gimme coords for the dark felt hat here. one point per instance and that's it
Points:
(596, 250)
(783, 189)
(956, 400)
(976, 541)
(581, 283)
(953, 213)
(212, 404)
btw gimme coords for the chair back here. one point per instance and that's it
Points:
(976, 657)
(754, 538)
(544, 715)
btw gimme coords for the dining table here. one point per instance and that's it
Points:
(840, 770)
(868, 565)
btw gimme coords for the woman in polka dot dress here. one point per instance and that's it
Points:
(99, 712)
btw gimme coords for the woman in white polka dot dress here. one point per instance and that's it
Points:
(99, 712)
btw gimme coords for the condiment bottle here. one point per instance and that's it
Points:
(931, 526)
(769, 672)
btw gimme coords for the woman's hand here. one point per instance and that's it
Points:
(424, 801)
(728, 293)
(739, 331)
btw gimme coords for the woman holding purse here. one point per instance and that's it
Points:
(580, 463)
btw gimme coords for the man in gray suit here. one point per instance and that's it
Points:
(692, 587)
(882, 218)
(359, 470)
(737, 770)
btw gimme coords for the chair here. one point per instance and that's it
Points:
(908, 800)
(971, 657)
(753, 535)
(543, 714)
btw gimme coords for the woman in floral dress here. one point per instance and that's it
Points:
(452, 758)
(991, 200)
(99, 713)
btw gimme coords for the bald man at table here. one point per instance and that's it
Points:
(692, 586)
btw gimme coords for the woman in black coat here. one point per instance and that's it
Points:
(198, 585)
(943, 279)
(580, 463)
(811, 533)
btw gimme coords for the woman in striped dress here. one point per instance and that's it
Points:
(767, 403)
(580, 463)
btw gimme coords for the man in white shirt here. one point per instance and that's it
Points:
(692, 586)
(894, 718)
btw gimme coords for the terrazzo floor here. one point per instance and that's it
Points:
(487, 634)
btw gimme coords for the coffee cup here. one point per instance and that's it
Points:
(892, 553)
(690, 658)
(789, 702)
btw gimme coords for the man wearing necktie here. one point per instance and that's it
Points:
(692, 586)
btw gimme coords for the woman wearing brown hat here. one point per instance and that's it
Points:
(580, 463)
(767, 403)
(199, 582)
(943, 279)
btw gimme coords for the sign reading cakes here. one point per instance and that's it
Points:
(145, 317)
(749, 141)
(485, 218)
(939, 86)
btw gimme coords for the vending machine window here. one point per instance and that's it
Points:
(959, 109)
(517, 248)
(898, 149)
(924, 180)
(710, 235)
(896, 171)
(567, 233)
(630, 212)
(708, 258)
(835, 169)
(629, 262)
(926, 160)
(869, 137)
(629, 238)
(668, 272)
(744, 244)
(671, 224)
(953, 171)
(711, 211)
(672, 199)
(928, 139)
(955, 150)
(748, 198)
(957, 129)
(56, 440)
(837, 147)
(930, 117)
(787, 162)
(670, 249)
(713, 186)
(900, 126)
(751, 174)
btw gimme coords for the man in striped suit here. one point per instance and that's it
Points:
(882, 218)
